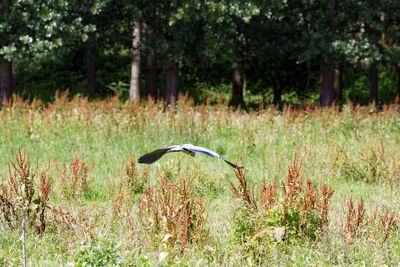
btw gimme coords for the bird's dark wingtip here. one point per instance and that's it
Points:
(145, 160)
(152, 157)
(141, 161)
(233, 165)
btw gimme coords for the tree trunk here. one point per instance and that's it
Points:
(151, 74)
(5, 65)
(90, 63)
(134, 91)
(5, 80)
(326, 92)
(373, 83)
(277, 94)
(338, 83)
(398, 81)
(237, 88)
(171, 82)
(90, 49)
(373, 76)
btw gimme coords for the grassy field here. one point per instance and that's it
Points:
(94, 206)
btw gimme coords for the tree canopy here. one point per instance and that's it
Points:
(273, 51)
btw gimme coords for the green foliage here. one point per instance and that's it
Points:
(244, 224)
(212, 93)
(47, 43)
(3, 262)
(290, 98)
(369, 166)
(34, 29)
(97, 253)
(118, 87)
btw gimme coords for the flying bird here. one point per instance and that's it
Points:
(190, 149)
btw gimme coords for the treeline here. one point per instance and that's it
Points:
(272, 48)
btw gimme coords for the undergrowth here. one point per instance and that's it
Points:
(77, 194)
(297, 212)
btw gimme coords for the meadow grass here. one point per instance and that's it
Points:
(355, 151)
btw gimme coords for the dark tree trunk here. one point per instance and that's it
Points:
(398, 81)
(134, 90)
(5, 80)
(373, 83)
(90, 63)
(373, 76)
(237, 88)
(326, 92)
(332, 8)
(338, 83)
(151, 74)
(5, 65)
(277, 94)
(327, 75)
(171, 82)
(90, 49)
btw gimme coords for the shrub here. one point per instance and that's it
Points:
(299, 213)
(21, 199)
(370, 166)
(97, 253)
(377, 227)
(136, 183)
(80, 221)
(74, 178)
(172, 216)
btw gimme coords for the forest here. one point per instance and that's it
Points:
(300, 98)
(249, 53)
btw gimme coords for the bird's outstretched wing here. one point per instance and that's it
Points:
(153, 156)
(187, 148)
(206, 151)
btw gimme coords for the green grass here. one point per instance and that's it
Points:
(109, 134)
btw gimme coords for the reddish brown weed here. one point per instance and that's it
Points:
(171, 213)
(136, 183)
(241, 191)
(377, 226)
(74, 178)
(17, 197)
(302, 207)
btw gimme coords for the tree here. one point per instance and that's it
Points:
(398, 81)
(171, 81)
(223, 33)
(322, 22)
(5, 64)
(5, 80)
(151, 74)
(326, 92)
(237, 87)
(90, 46)
(134, 91)
(33, 29)
(338, 82)
(373, 74)
(390, 41)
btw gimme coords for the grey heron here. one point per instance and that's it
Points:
(190, 149)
